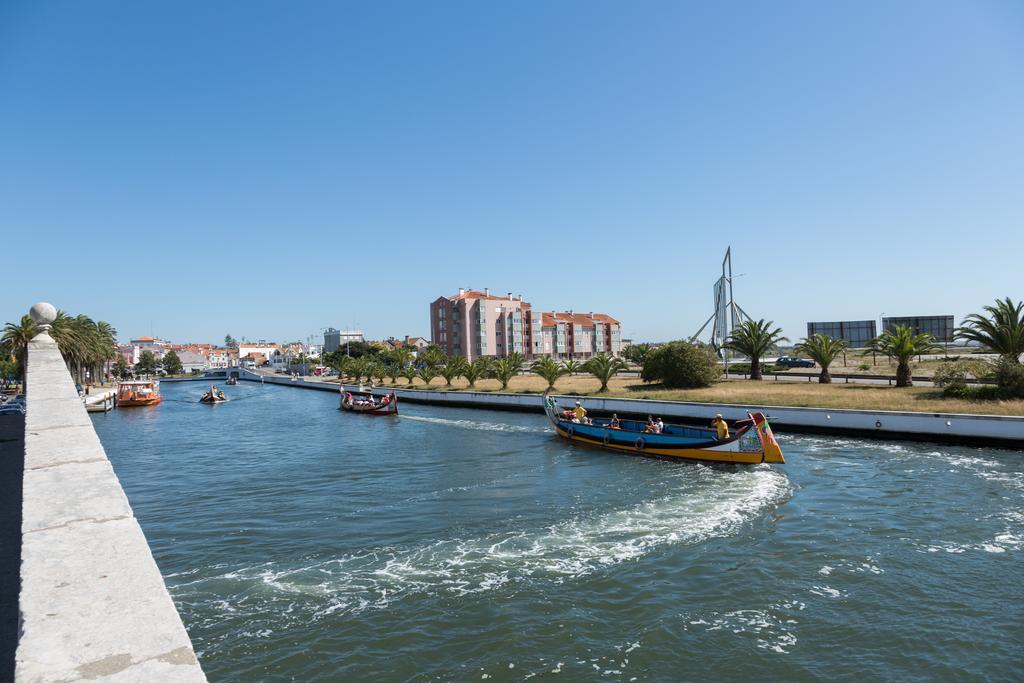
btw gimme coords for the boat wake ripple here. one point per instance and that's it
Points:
(480, 426)
(716, 505)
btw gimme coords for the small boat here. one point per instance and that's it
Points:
(232, 381)
(214, 395)
(141, 392)
(752, 442)
(367, 403)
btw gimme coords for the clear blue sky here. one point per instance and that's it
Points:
(268, 169)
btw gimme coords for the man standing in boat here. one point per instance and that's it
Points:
(722, 426)
(580, 413)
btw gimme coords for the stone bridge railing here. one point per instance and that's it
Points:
(93, 603)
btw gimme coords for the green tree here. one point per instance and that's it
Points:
(380, 371)
(409, 372)
(504, 369)
(823, 350)
(427, 374)
(475, 370)
(901, 344)
(572, 366)
(549, 369)
(453, 369)
(682, 365)
(146, 364)
(604, 367)
(120, 369)
(230, 342)
(431, 357)
(754, 339)
(637, 353)
(1001, 332)
(16, 338)
(172, 363)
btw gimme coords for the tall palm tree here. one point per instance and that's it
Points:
(452, 369)
(901, 344)
(477, 369)
(549, 369)
(754, 339)
(504, 369)
(1002, 332)
(823, 350)
(604, 367)
(16, 338)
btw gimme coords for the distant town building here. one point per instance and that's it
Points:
(474, 324)
(939, 326)
(857, 332)
(190, 360)
(222, 358)
(263, 349)
(335, 339)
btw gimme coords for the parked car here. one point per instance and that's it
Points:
(794, 362)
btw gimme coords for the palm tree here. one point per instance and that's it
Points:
(549, 369)
(452, 369)
(1002, 332)
(16, 338)
(394, 372)
(401, 357)
(475, 370)
(902, 344)
(432, 357)
(637, 353)
(572, 366)
(359, 367)
(604, 367)
(427, 374)
(380, 371)
(754, 339)
(823, 349)
(409, 372)
(504, 369)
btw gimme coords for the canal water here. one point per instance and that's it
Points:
(303, 543)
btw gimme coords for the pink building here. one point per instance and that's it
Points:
(474, 324)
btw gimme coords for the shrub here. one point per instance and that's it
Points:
(1010, 378)
(952, 377)
(863, 367)
(682, 365)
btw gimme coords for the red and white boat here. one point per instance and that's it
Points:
(367, 403)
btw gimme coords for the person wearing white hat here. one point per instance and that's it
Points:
(722, 426)
(580, 412)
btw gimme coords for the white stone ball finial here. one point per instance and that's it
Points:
(44, 314)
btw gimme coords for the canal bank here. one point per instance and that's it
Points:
(984, 430)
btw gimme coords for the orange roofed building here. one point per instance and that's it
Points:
(474, 324)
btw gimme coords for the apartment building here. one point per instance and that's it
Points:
(474, 323)
(335, 339)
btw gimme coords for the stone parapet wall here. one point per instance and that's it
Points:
(93, 603)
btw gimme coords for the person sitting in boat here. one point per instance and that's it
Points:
(568, 414)
(659, 426)
(614, 422)
(580, 414)
(650, 427)
(721, 426)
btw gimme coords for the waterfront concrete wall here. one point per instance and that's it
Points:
(93, 604)
(952, 427)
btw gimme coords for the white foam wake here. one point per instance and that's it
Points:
(718, 506)
(479, 426)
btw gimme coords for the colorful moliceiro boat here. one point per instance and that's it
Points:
(365, 402)
(751, 442)
(138, 393)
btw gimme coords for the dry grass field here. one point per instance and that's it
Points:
(745, 392)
